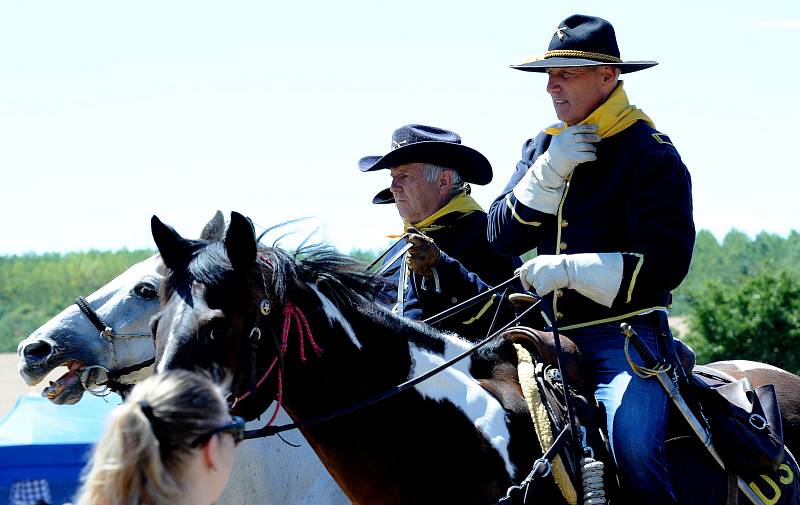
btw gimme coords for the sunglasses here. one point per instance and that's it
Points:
(235, 429)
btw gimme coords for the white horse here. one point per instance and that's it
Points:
(267, 470)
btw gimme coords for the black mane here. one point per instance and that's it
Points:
(341, 277)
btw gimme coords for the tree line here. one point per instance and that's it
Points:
(741, 297)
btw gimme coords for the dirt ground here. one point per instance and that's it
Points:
(11, 384)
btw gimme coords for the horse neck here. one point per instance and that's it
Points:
(361, 352)
(360, 446)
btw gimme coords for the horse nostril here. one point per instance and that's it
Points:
(37, 350)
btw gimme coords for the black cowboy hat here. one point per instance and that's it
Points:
(416, 143)
(583, 41)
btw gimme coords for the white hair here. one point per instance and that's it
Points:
(432, 172)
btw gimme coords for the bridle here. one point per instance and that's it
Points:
(107, 335)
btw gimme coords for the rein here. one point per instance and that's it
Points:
(291, 310)
(108, 334)
(291, 313)
(447, 313)
(274, 430)
(391, 260)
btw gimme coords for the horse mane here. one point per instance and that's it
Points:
(341, 277)
(347, 283)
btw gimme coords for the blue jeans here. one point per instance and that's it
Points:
(636, 411)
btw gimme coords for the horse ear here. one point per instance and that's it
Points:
(173, 248)
(240, 242)
(214, 230)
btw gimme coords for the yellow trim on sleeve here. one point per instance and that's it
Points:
(660, 139)
(482, 311)
(635, 274)
(516, 216)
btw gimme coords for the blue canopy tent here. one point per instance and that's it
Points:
(41, 440)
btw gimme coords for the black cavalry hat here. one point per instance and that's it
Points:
(383, 196)
(414, 143)
(583, 41)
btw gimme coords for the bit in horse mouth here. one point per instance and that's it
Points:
(65, 383)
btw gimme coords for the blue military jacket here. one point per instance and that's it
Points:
(635, 199)
(461, 237)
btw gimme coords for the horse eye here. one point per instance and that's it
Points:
(145, 290)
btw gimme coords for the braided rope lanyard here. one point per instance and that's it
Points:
(640, 370)
(291, 313)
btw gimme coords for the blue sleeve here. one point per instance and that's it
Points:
(660, 221)
(455, 285)
(514, 228)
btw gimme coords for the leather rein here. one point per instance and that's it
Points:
(305, 331)
(514, 494)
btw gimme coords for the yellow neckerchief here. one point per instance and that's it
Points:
(461, 203)
(613, 116)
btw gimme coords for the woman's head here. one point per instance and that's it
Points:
(171, 437)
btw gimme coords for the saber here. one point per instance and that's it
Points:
(672, 390)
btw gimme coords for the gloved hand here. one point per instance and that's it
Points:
(424, 253)
(595, 276)
(542, 185)
(575, 145)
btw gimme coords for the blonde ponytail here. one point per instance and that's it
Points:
(140, 458)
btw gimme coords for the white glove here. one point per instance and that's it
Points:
(595, 276)
(542, 185)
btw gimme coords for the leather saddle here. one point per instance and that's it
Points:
(700, 381)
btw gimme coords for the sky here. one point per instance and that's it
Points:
(111, 112)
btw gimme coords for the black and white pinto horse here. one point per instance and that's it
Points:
(303, 332)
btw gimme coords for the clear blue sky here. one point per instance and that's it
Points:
(113, 111)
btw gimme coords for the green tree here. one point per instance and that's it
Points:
(757, 318)
(34, 288)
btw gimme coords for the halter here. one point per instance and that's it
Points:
(107, 334)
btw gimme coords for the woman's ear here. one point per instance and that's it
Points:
(211, 450)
